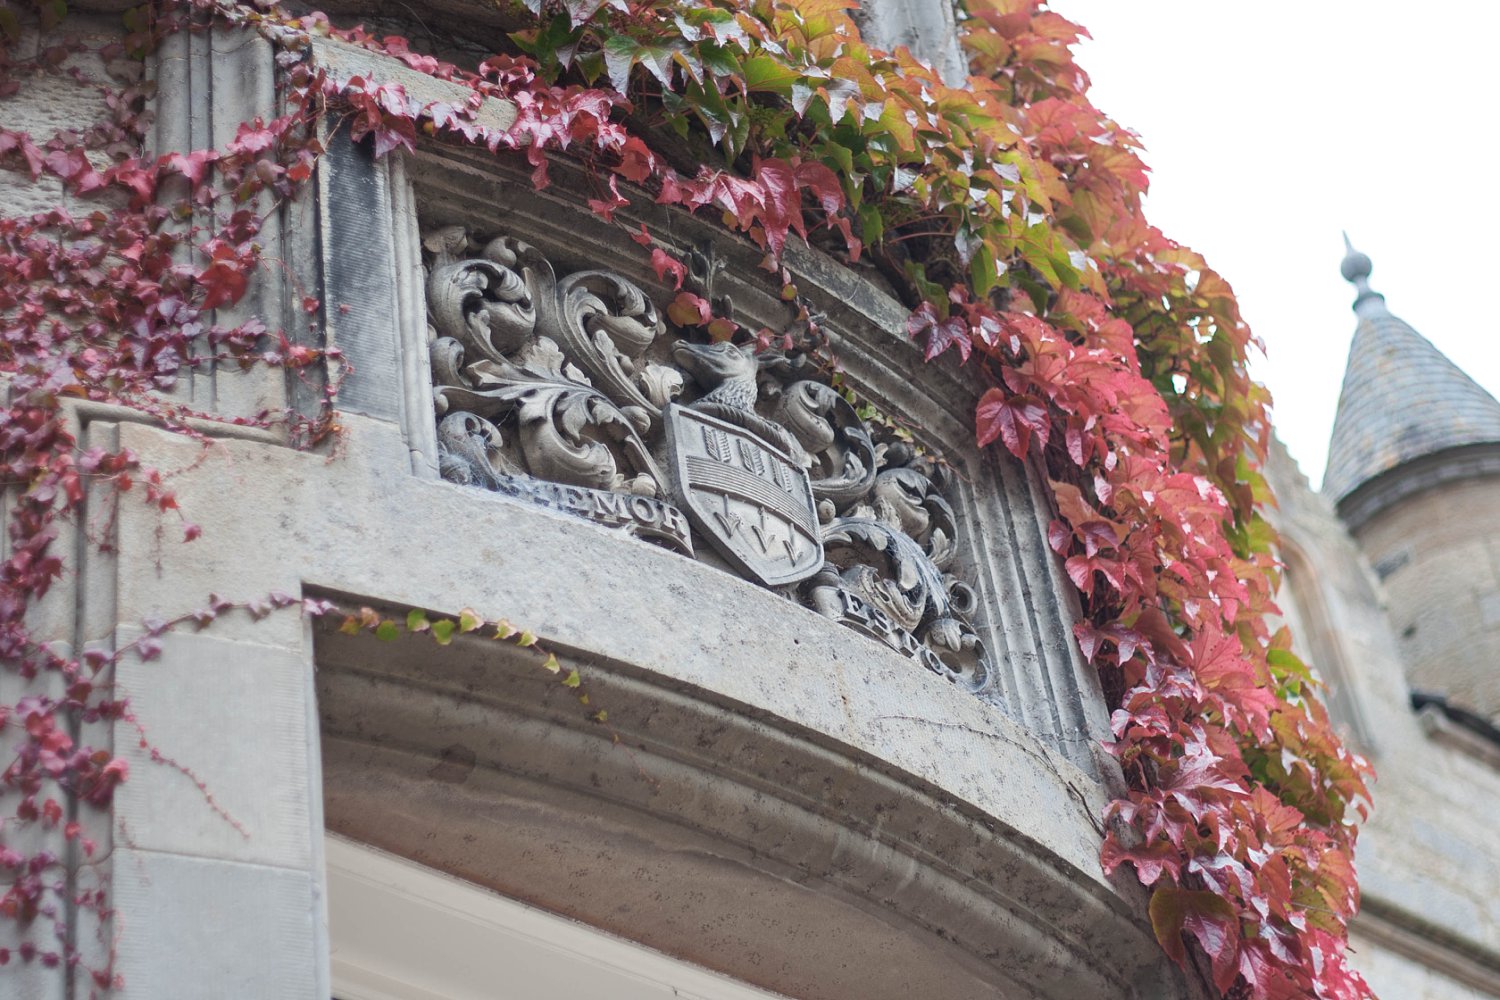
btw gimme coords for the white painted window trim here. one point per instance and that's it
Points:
(399, 931)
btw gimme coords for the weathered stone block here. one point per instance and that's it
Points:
(194, 928)
(235, 714)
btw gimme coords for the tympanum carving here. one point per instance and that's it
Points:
(569, 392)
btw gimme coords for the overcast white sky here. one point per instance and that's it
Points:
(1270, 127)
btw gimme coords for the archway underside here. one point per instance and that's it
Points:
(710, 832)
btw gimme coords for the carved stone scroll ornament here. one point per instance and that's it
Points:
(839, 450)
(885, 576)
(482, 301)
(566, 393)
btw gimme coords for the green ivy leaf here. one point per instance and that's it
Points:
(53, 12)
(619, 58)
(387, 631)
(442, 631)
(838, 157)
(983, 271)
(720, 62)
(764, 74)
(582, 11)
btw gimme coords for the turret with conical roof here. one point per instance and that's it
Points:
(1402, 399)
(1414, 468)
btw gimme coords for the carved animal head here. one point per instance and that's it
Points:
(714, 364)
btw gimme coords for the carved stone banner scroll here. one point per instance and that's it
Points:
(568, 393)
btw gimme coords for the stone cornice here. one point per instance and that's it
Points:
(1389, 488)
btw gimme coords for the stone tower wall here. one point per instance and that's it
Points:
(1429, 923)
(1438, 554)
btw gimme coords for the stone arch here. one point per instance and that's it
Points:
(1305, 604)
(732, 829)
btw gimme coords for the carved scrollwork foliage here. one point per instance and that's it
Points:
(568, 392)
(481, 301)
(606, 324)
(568, 431)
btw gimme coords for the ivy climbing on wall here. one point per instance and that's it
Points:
(1005, 211)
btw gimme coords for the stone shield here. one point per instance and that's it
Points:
(747, 496)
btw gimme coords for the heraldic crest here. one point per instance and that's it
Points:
(568, 392)
(734, 474)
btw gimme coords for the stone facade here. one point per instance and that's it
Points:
(1439, 562)
(1389, 575)
(868, 768)
(1429, 925)
(852, 753)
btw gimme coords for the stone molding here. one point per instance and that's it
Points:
(1400, 932)
(1443, 730)
(1420, 474)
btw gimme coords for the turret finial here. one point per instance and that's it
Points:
(1356, 270)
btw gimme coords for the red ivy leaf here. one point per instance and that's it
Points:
(252, 137)
(782, 202)
(936, 334)
(73, 167)
(1151, 861)
(194, 166)
(636, 161)
(664, 263)
(689, 310)
(1011, 419)
(606, 208)
(224, 283)
(21, 142)
(1208, 918)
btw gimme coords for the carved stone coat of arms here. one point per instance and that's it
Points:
(748, 497)
(567, 392)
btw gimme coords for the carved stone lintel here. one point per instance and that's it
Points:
(560, 391)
